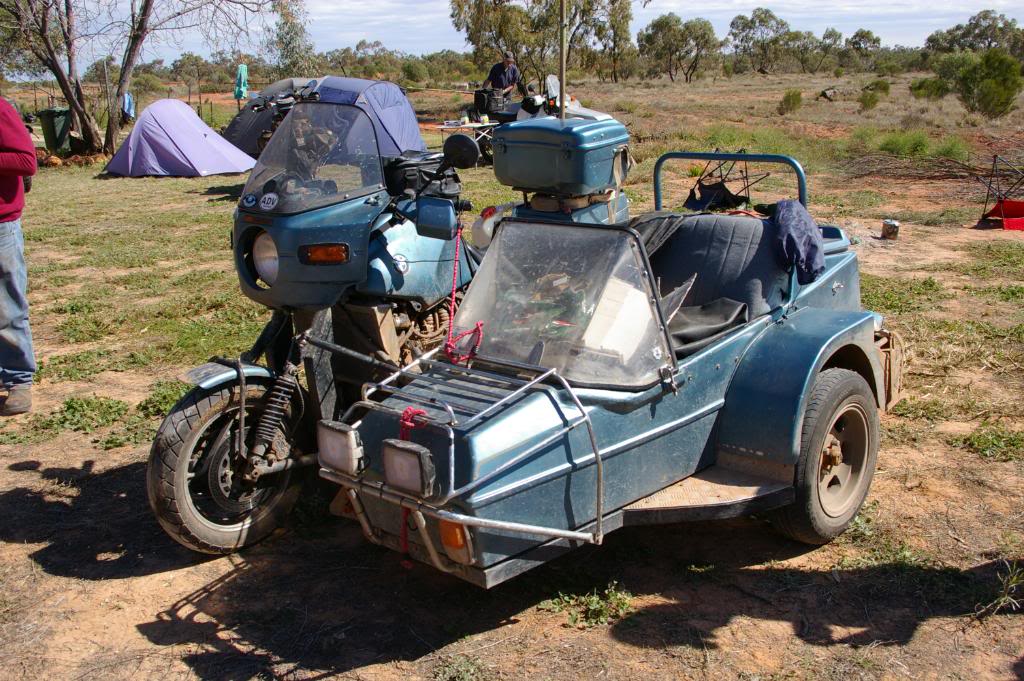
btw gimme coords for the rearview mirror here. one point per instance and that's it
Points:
(435, 217)
(460, 151)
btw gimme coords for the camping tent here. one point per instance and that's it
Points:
(170, 139)
(245, 128)
(394, 119)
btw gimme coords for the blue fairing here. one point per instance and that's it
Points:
(305, 286)
(405, 265)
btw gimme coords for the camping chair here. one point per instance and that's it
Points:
(1005, 184)
(711, 191)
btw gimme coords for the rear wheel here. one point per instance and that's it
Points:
(839, 448)
(194, 474)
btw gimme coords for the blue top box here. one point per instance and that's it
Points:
(573, 157)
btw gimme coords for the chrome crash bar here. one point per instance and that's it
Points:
(501, 390)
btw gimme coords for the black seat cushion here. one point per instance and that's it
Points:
(733, 257)
(696, 327)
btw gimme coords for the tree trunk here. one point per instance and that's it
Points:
(132, 50)
(71, 89)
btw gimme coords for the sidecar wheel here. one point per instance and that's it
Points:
(193, 475)
(839, 448)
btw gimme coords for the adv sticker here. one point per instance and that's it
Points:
(249, 201)
(269, 201)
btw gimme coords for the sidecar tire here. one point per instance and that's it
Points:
(168, 466)
(841, 409)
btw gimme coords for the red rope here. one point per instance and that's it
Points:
(454, 356)
(407, 422)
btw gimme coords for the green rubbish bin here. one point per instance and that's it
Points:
(56, 124)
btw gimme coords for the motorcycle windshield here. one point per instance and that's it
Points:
(577, 299)
(320, 154)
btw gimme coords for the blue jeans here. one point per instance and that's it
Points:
(17, 363)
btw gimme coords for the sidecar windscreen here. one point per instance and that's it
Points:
(577, 299)
(320, 154)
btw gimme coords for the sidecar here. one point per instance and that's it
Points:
(665, 370)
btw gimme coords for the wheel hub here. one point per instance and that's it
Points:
(844, 454)
(224, 485)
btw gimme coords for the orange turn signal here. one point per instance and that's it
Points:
(452, 535)
(324, 254)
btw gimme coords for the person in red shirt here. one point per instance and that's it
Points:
(17, 362)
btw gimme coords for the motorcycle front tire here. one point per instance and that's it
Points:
(192, 501)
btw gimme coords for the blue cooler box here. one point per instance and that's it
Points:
(571, 157)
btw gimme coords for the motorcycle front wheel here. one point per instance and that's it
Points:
(194, 475)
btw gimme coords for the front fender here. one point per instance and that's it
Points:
(212, 374)
(764, 406)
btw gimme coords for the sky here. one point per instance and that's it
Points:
(422, 26)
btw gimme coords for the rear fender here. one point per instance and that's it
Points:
(764, 406)
(213, 374)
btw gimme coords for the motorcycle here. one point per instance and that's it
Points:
(346, 229)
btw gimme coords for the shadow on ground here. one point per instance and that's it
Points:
(223, 193)
(321, 600)
(328, 606)
(94, 525)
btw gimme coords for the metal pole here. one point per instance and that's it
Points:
(561, 59)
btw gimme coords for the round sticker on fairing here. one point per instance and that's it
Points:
(269, 201)
(249, 201)
(401, 263)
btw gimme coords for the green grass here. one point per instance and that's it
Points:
(78, 414)
(593, 608)
(992, 259)
(953, 215)
(849, 203)
(164, 396)
(993, 441)
(1007, 293)
(460, 668)
(81, 366)
(922, 408)
(891, 295)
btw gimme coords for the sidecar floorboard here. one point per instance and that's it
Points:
(714, 492)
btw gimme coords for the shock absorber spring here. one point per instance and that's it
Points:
(274, 412)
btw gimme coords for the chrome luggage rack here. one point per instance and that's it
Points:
(488, 391)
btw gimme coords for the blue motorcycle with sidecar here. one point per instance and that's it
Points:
(346, 229)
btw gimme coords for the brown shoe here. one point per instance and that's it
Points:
(19, 401)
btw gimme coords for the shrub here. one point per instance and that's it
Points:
(988, 84)
(838, 73)
(791, 101)
(868, 100)
(414, 71)
(905, 143)
(929, 88)
(881, 86)
(887, 67)
(952, 147)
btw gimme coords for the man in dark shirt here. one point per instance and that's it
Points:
(504, 75)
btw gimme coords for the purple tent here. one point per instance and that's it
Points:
(170, 139)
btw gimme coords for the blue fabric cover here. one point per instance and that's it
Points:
(798, 241)
(394, 119)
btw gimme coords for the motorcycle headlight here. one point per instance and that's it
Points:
(264, 258)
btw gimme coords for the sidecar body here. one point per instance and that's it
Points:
(617, 375)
